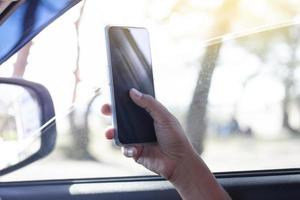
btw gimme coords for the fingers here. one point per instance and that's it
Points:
(158, 112)
(132, 151)
(106, 109)
(128, 151)
(110, 133)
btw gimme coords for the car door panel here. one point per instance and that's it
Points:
(116, 188)
(263, 186)
(255, 185)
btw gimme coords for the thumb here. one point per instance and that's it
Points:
(157, 111)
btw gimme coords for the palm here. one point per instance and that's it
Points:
(162, 157)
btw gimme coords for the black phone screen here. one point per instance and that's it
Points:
(131, 67)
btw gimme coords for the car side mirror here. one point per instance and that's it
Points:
(27, 123)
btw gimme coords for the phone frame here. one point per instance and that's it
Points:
(111, 83)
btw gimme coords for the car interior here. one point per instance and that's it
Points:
(234, 86)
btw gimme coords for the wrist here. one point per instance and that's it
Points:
(193, 180)
(183, 172)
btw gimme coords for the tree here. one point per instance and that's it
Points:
(289, 79)
(196, 117)
(265, 42)
(80, 137)
(21, 62)
(29, 21)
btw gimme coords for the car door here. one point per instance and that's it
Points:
(236, 96)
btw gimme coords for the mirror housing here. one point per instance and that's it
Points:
(47, 129)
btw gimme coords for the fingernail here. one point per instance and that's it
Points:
(136, 92)
(129, 151)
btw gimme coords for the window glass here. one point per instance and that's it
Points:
(237, 96)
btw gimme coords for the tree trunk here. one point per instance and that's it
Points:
(285, 109)
(196, 122)
(88, 110)
(80, 138)
(21, 62)
(196, 118)
(288, 82)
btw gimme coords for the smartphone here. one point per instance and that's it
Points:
(130, 66)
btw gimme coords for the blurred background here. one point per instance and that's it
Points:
(227, 69)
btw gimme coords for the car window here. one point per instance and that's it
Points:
(237, 96)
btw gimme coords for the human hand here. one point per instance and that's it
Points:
(173, 157)
(172, 148)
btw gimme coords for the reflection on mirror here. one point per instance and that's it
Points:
(20, 122)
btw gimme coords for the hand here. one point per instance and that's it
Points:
(173, 157)
(172, 147)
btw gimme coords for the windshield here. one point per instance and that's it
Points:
(225, 70)
(25, 20)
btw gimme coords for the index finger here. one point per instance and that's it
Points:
(106, 109)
